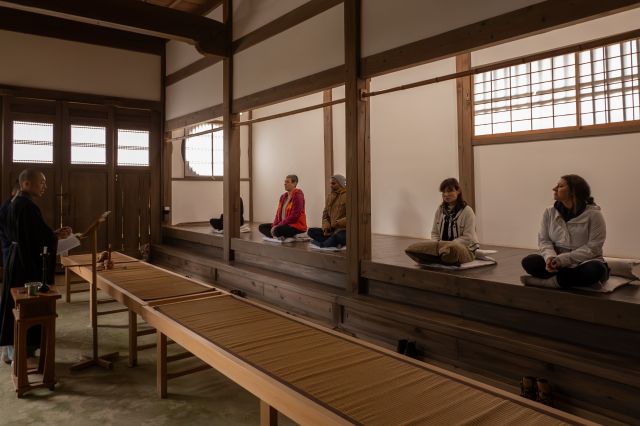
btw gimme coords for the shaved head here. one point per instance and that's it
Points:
(33, 182)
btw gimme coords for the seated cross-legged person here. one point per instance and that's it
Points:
(290, 219)
(218, 223)
(453, 236)
(334, 217)
(570, 240)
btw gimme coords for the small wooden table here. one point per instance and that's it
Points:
(31, 311)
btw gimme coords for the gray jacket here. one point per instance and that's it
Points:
(575, 241)
(465, 231)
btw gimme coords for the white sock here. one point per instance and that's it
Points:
(540, 282)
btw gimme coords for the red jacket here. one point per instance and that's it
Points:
(295, 214)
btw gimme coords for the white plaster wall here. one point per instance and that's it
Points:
(589, 30)
(249, 15)
(514, 182)
(413, 148)
(289, 145)
(388, 24)
(48, 63)
(179, 55)
(198, 201)
(198, 91)
(339, 133)
(310, 47)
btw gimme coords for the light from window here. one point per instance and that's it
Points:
(542, 94)
(609, 84)
(203, 154)
(133, 147)
(32, 142)
(88, 145)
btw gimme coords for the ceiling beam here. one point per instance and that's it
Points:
(47, 26)
(207, 7)
(206, 34)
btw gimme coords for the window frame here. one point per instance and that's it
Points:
(183, 147)
(568, 132)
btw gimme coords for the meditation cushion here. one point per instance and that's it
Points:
(628, 268)
(445, 252)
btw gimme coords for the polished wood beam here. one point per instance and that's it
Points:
(194, 118)
(539, 17)
(322, 80)
(208, 35)
(465, 134)
(207, 7)
(357, 153)
(283, 23)
(47, 26)
(47, 94)
(231, 183)
(191, 69)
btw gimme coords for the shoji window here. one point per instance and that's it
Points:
(133, 147)
(88, 145)
(32, 142)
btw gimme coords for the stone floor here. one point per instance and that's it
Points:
(122, 396)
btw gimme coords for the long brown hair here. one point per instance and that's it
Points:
(579, 189)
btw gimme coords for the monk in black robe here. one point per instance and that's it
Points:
(28, 234)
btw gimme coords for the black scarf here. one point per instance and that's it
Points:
(450, 224)
(568, 214)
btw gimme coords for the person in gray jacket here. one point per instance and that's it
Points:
(570, 240)
(455, 222)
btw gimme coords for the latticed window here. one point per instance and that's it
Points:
(203, 153)
(88, 145)
(133, 147)
(542, 94)
(32, 142)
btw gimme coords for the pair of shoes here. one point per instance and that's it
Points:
(536, 390)
(407, 347)
(540, 282)
(238, 293)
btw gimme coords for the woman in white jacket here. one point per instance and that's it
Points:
(570, 240)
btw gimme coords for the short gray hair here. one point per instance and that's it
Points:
(294, 178)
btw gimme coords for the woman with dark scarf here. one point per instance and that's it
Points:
(570, 240)
(455, 223)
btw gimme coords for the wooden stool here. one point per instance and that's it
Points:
(32, 311)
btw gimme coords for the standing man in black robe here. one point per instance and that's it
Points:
(5, 242)
(28, 234)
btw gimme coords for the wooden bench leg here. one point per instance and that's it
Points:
(133, 339)
(161, 364)
(67, 285)
(268, 415)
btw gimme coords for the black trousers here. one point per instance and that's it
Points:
(338, 238)
(285, 231)
(583, 275)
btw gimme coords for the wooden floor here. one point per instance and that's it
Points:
(389, 250)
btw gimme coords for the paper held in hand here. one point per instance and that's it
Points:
(67, 244)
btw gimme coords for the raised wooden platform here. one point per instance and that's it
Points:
(482, 321)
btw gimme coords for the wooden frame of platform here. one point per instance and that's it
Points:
(465, 320)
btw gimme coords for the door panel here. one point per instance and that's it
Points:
(87, 199)
(133, 212)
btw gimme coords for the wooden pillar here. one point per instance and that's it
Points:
(167, 147)
(357, 153)
(231, 203)
(327, 113)
(465, 131)
(250, 165)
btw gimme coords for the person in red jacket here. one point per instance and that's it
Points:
(291, 218)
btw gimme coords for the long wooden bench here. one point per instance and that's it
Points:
(311, 374)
